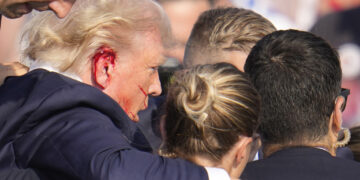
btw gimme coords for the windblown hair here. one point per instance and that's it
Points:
(66, 44)
(224, 29)
(208, 108)
(298, 77)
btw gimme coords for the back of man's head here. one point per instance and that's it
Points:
(298, 77)
(218, 33)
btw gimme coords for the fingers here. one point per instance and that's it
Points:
(61, 7)
(16, 8)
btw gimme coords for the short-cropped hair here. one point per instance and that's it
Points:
(298, 77)
(208, 108)
(229, 29)
(65, 44)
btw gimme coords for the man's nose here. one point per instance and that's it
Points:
(155, 87)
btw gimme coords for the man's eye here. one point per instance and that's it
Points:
(155, 68)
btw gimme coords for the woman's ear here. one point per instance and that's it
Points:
(103, 66)
(243, 149)
(235, 161)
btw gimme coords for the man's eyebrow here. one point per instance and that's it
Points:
(162, 60)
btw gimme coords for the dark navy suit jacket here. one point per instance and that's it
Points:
(149, 121)
(64, 129)
(302, 163)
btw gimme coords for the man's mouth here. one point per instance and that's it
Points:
(146, 97)
(146, 102)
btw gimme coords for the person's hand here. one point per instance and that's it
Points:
(17, 8)
(11, 69)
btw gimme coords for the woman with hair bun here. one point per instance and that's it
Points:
(211, 117)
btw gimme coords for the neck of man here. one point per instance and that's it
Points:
(325, 144)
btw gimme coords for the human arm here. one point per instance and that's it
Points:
(93, 148)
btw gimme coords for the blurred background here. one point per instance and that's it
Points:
(337, 21)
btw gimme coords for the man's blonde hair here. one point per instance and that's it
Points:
(208, 107)
(224, 29)
(66, 44)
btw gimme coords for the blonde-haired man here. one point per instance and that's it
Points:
(72, 116)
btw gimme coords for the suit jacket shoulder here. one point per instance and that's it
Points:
(65, 129)
(302, 163)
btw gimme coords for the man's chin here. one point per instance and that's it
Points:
(135, 118)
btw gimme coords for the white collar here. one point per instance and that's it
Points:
(322, 148)
(41, 65)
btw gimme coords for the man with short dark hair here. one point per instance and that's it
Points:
(298, 76)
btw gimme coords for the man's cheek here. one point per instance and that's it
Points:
(125, 104)
(144, 93)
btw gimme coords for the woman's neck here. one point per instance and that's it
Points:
(203, 161)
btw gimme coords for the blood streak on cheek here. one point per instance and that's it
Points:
(145, 94)
(143, 91)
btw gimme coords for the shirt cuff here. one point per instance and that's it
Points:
(217, 173)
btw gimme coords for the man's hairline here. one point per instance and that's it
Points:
(219, 52)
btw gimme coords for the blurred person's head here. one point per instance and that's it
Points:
(211, 117)
(17, 8)
(298, 77)
(329, 6)
(225, 35)
(354, 143)
(183, 14)
(114, 45)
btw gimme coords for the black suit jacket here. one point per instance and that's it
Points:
(67, 130)
(302, 163)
